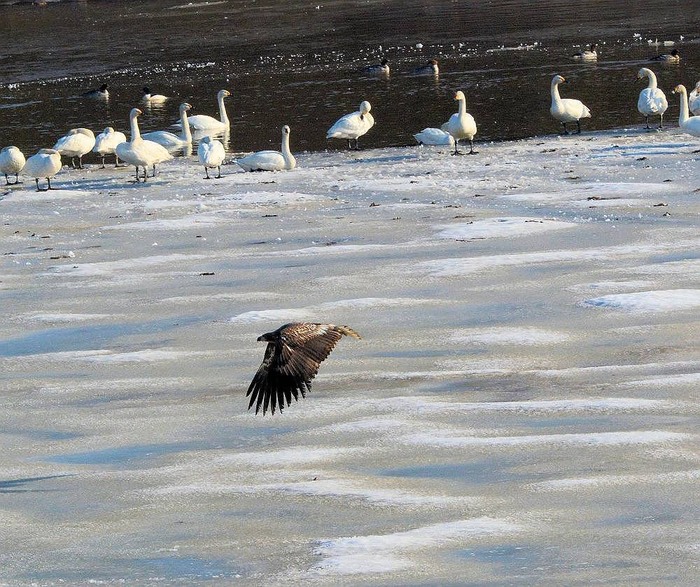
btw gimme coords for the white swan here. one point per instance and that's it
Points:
(139, 152)
(100, 94)
(381, 69)
(271, 160)
(106, 144)
(430, 68)
(45, 163)
(652, 101)
(11, 163)
(694, 100)
(352, 126)
(566, 109)
(170, 140)
(672, 57)
(461, 125)
(211, 154)
(149, 98)
(589, 54)
(689, 124)
(75, 144)
(434, 136)
(205, 122)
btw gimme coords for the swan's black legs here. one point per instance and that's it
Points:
(578, 127)
(661, 122)
(646, 118)
(566, 132)
(206, 171)
(471, 147)
(218, 167)
(48, 183)
(103, 162)
(457, 151)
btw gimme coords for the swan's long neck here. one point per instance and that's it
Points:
(685, 112)
(555, 92)
(135, 133)
(653, 84)
(186, 134)
(286, 152)
(222, 111)
(462, 106)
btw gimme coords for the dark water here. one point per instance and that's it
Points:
(299, 63)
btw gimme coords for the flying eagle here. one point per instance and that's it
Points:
(294, 353)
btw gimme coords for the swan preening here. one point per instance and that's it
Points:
(271, 160)
(170, 140)
(149, 99)
(45, 163)
(11, 163)
(352, 126)
(434, 136)
(566, 109)
(694, 99)
(589, 54)
(461, 125)
(205, 122)
(211, 153)
(380, 69)
(139, 152)
(687, 123)
(430, 68)
(106, 144)
(672, 57)
(652, 101)
(99, 94)
(75, 144)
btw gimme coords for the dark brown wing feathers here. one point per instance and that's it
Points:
(291, 361)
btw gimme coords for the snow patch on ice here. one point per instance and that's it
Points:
(615, 480)
(508, 336)
(500, 227)
(650, 301)
(58, 317)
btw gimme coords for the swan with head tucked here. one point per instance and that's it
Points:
(139, 152)
(271, 160)
(430, 68)
(461, 125)
(672, 57)
(75, 144)
(11, 163)
(45, 163)
(170, 140)
(106, 144)
(352, 126)
(694, 99)
(589, 54)
(687, 123)
(102, 93)
(434, 136)
(209, 123)
(211, 153)
(652, 101)
(566, 109)
(149, 99)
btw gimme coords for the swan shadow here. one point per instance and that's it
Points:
(18, 485)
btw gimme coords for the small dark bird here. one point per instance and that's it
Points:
(294, 353)
(672, 57)
(102, 93)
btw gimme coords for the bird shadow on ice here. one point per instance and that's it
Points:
(381, 159)
(19, 485)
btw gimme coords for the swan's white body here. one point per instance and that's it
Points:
(589, 54)
(106, 143)
(434, 136)
(461, 124)
(271, 160)
(652, 101)
(430, 68)
(211, 153)
(75, 144)
(150, 99)
(45, 163)
(352, 126)
(170, 140)
(380, 69)
(205, 122)
(11, 162)
(694, 100)
(566, 109)
(687, 123)
(139, 152)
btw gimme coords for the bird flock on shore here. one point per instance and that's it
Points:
(145, 151)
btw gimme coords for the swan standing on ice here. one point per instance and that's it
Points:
(150, 99)
(430, 68)
(45, 163)
(352, 126)
(211, 154)
(139, 152)
(170, 140)
(381, 69)
(566, 109)
(672, 57)
(100, 94)
(205, 122)
(689, 124)
(271, 160)
(461, 125)
(75, 144)
(11, 163)
(694, 100)
(652, 100)
(589, 54)
(106, 144)
(434, 136)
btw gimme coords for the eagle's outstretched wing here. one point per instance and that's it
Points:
(293, 356)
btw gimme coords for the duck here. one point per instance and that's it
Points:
(461, 125)
(352, 126)
(45, 163)
(148, 98)
(75, 144)
(566, 109)
(652, 101)
(106, 143)
(380, 69)
(672, 57)
(11, 163)
(589, 54)
(101, 93)
(688, 124)
(271, 160)
(170, 140)
(694, 100)
(430, 68)
(139, 152)
(209, 123)
(211, 153)
(434, 136)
